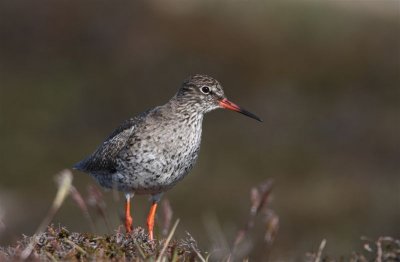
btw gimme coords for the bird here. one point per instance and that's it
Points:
(150, 153)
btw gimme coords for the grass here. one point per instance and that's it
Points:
(57, 243)
(384, 249)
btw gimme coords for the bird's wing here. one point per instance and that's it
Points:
(103, 160)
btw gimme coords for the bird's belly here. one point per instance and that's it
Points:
(156, 174)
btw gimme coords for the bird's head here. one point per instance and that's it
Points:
(206, 94)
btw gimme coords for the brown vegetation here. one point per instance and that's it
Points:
(53, 243)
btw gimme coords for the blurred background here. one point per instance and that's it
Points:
(324, 76)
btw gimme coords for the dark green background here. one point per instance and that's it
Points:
(323, 76)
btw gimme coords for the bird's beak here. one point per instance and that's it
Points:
(226, 104)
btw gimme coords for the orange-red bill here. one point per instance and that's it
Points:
(225, 103)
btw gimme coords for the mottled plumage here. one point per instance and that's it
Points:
(150, 153)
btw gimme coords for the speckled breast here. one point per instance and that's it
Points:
(159, 160)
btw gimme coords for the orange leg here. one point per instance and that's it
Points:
(150, 219)
(128, 218)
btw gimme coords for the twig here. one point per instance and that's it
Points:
(378, 250)
(77, 247)
(167, 241)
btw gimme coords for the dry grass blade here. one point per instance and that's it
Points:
(378, 251)
(2, 214)
(77, 197)
(220, 244)
(191, 242)
(64, 182)
(2, 225)
(167, 215)
(385, 248)
(142, 254)
(199, 255)
(175, 256)
(160, 257)
(272, 226)
(320, 249)
(51, 257)
(96, 200)
(259, 197)
(264, 191)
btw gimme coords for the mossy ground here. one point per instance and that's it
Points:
(57, 243)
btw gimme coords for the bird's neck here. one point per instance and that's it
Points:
(186, 110)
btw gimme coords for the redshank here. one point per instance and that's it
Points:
(150, 153)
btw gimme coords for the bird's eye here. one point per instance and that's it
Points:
(205, 89)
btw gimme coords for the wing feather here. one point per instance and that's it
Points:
(103, 160)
